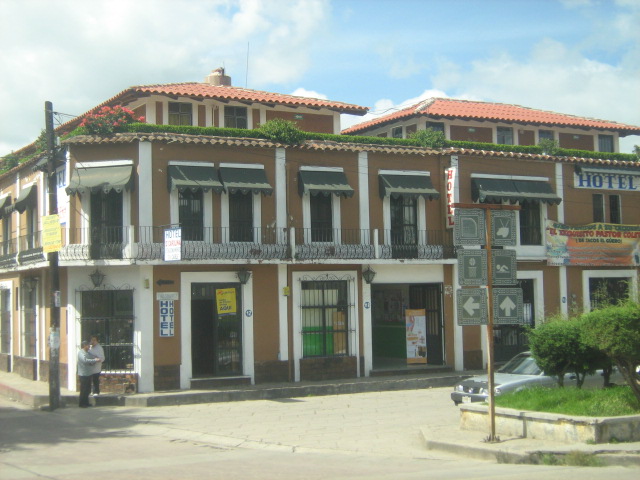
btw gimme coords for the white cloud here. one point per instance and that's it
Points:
(302, 92)
(78, 53)
(387, 106)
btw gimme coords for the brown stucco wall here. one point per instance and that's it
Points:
(481, 134)
(310, 122)
(583, 142)
(526, 137)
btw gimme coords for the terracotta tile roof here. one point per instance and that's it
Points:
(441, 108)
(222, 92)
(327, 145)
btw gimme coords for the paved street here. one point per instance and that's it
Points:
(366, 435)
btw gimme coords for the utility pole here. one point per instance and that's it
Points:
(54, 335)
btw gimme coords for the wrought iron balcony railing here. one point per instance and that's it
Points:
(148, 243)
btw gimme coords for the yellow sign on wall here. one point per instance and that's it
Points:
(226, 301)
(51, 234)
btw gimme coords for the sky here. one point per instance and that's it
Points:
(580, 57)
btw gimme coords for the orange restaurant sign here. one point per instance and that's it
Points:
(604, 244)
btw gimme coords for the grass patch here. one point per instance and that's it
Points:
(608, 402)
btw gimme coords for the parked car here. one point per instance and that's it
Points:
(518, 373)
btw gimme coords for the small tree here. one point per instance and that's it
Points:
(615, 330)
(549, 146)
(282, 131)
(559, 349)
(429, 138)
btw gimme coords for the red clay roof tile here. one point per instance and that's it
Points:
(438, 108)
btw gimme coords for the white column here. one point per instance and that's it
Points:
(363, 195)
(145, 192)
(367, 333)
(281, 193)
(283, 315)
(144, 331)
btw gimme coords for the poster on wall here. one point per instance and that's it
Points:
(595, 244)
(416, 336)
(226, 301)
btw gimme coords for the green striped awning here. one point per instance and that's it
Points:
(498, 190)
(407, 185)
(28, 197)
(101, 179)
(324, 182)
(192, 177)
(244, 179)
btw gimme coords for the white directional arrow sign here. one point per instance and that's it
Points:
(507, 306)
(472, 306)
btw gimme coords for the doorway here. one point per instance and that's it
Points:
(389, 331)
(216, 329)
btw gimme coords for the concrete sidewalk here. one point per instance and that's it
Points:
(36, 394)
(441, 434)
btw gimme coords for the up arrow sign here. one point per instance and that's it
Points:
(507, 305)
(471, 306)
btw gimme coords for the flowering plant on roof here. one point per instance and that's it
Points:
(108, 120)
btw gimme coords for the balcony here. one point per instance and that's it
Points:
(147, 243)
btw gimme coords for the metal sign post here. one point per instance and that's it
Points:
(470, 233)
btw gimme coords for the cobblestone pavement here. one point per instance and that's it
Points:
(365, 435)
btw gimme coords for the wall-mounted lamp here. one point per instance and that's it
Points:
(243, 275)
(96, 278)
(29, 283)
(368, 275)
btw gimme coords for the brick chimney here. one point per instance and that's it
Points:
(218, 78)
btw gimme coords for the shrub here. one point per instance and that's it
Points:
(282, 131)
(558, 349)
(108, 120)
(549, 146)
(429, 138)
(615, 330)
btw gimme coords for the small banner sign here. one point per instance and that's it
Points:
(226, 301)
(51, 234)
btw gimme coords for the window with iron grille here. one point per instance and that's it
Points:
(530, 223)
(545, 134)
(190, 215)
(605, 291)
(598, 207)
(404, 220)
(321, 215)
(108, 314)
(235, 117)
(180, 113)
(5, 321)
(6, 235)
(396, 132)
(107, 231)
(325, 318)
(435, 126)
(241, 217)
(615, 211)
(505, 136)
(605, 143)
(32, 226)
(29, 321)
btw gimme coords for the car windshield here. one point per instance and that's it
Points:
(521, 365)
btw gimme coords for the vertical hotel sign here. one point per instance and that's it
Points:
(452, 190)
(167, 313)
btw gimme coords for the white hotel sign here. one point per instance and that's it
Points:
(609, 179)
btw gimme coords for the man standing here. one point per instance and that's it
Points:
(85, 370)
(96, 351)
